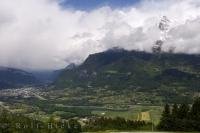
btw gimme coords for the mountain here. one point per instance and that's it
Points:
(70, 66)
(122, 69)
(15, 78)
(49, 76)
(46, 77)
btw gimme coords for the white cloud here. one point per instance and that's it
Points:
(39, 34)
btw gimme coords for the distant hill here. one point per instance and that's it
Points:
(46, 77)
(121, 69)
(14, 78)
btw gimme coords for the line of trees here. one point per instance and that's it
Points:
(182, 117)
(118, 123)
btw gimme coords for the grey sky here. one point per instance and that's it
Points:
(39, 34)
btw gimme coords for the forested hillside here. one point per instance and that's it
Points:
(118, 69)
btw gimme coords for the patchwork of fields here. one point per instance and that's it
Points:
(70, 103)
(153, 111)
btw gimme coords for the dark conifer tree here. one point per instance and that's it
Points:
(166, 121)
(183, 111)
(182, 118)
(175, 111)
(195, 110)
(166, 112)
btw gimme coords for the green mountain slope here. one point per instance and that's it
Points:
(121, 69)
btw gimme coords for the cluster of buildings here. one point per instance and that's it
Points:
(21, 92)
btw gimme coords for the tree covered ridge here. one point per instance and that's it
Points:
(182, 117)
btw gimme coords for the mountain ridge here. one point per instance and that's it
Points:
(120, 68)
(16, 78)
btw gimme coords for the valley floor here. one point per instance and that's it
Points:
(84, 105)
(69, 103)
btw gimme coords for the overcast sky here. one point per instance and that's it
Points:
(50, 34)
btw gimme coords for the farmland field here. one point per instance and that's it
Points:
(132, 113)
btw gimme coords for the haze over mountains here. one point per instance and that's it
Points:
(51, 41)
(55, 35)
